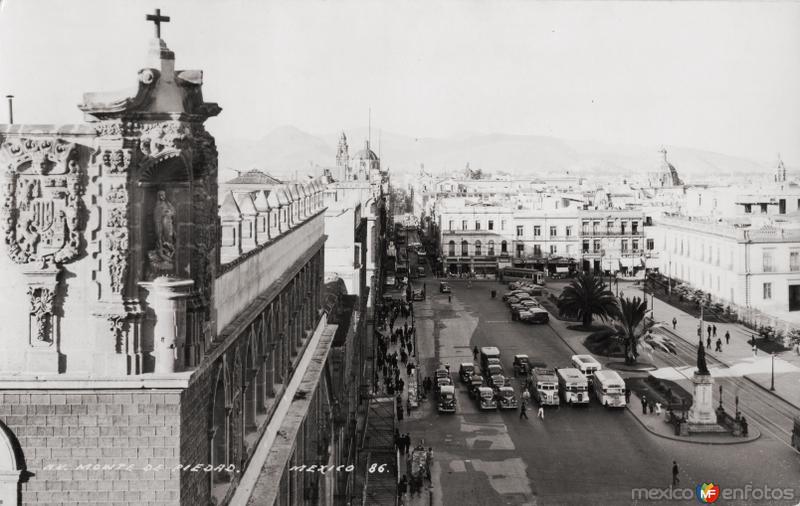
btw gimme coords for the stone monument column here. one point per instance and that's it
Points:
(702, 411)
(167, 299)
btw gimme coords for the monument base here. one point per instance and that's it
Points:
(702, 411)
(701, 428)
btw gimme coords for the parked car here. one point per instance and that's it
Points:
(497, 381)
(522, 366)
(536, 315)
(444, 287)
(465, 371)
(506, 398)
(475, 383)
(486, 398)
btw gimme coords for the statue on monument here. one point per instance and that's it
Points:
(702, 367)
(164, 220)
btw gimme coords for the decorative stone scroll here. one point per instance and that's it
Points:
(44, 184)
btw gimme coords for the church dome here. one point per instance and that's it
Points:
(366, 154)
(666, 174)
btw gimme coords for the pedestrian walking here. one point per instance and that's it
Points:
(714, 330)
(675, 479)
(644, 404)
(523, 408)
(408, 407)
(719, 345)
(400, 413)
(409, 346)
(709, 331)
(658, 408)
(708, 341)
(540, 414)
(429, 462)
(674, 323)
(727, 337)
(755, 350)
(409, 367)
(627, 396)
(651, 406)
(449, 298)
(475, 353)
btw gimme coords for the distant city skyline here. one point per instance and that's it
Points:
(719, 76)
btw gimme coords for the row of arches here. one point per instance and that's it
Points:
(247, 377)
(477, 248)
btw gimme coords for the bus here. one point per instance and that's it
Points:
(587, 365)
(573, 385)
(509, 274)
(545, 386)
(609, 388)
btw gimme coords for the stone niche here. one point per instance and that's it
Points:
(164, 206)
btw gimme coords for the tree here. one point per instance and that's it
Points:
(630, 325)
(587, 296)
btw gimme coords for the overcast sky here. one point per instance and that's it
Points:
(717, 76)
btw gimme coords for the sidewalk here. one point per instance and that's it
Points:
(738, 355)
(657, 425)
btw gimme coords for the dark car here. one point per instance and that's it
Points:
(465, 371)
(444, 287)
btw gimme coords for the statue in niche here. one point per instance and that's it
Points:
(161, 258)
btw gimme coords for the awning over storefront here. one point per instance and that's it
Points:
(630, 262)
(609, 264)
(562, 269)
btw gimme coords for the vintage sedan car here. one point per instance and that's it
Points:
(506, 398)
(444, 287)
(522, 365)
(494, 369)
(497, 381)
(535, 315)
(447, 399)
(465, 371)
(486, 398)
(475, 382)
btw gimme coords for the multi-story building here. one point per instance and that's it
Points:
(547, 239)
(746, 267)
(474, 238)
(612, 241)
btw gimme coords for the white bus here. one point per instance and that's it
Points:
(586, 364)
(609, 387)
(573, 386)
(545, 386)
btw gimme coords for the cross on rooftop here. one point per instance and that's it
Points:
(157, 19)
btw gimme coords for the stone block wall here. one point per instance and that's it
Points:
(63, 434)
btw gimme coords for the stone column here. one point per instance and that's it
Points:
(167, 298)
(702, 411)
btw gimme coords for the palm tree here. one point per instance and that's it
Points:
(587, 296)
(629, 324)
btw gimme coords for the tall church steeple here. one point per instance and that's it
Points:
(780, 171)
(342, 157)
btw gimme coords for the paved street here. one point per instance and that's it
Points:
(573, 456)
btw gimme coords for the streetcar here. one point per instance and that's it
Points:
(509, 274)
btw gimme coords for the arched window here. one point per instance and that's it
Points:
(490, 247)
(504, 247)
(464, 248)
(451, 250)
(477, 248)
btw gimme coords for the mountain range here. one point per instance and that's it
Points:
(287, 151)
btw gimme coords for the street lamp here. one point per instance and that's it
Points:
(772, 383)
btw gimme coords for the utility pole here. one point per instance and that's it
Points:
(10, 109)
